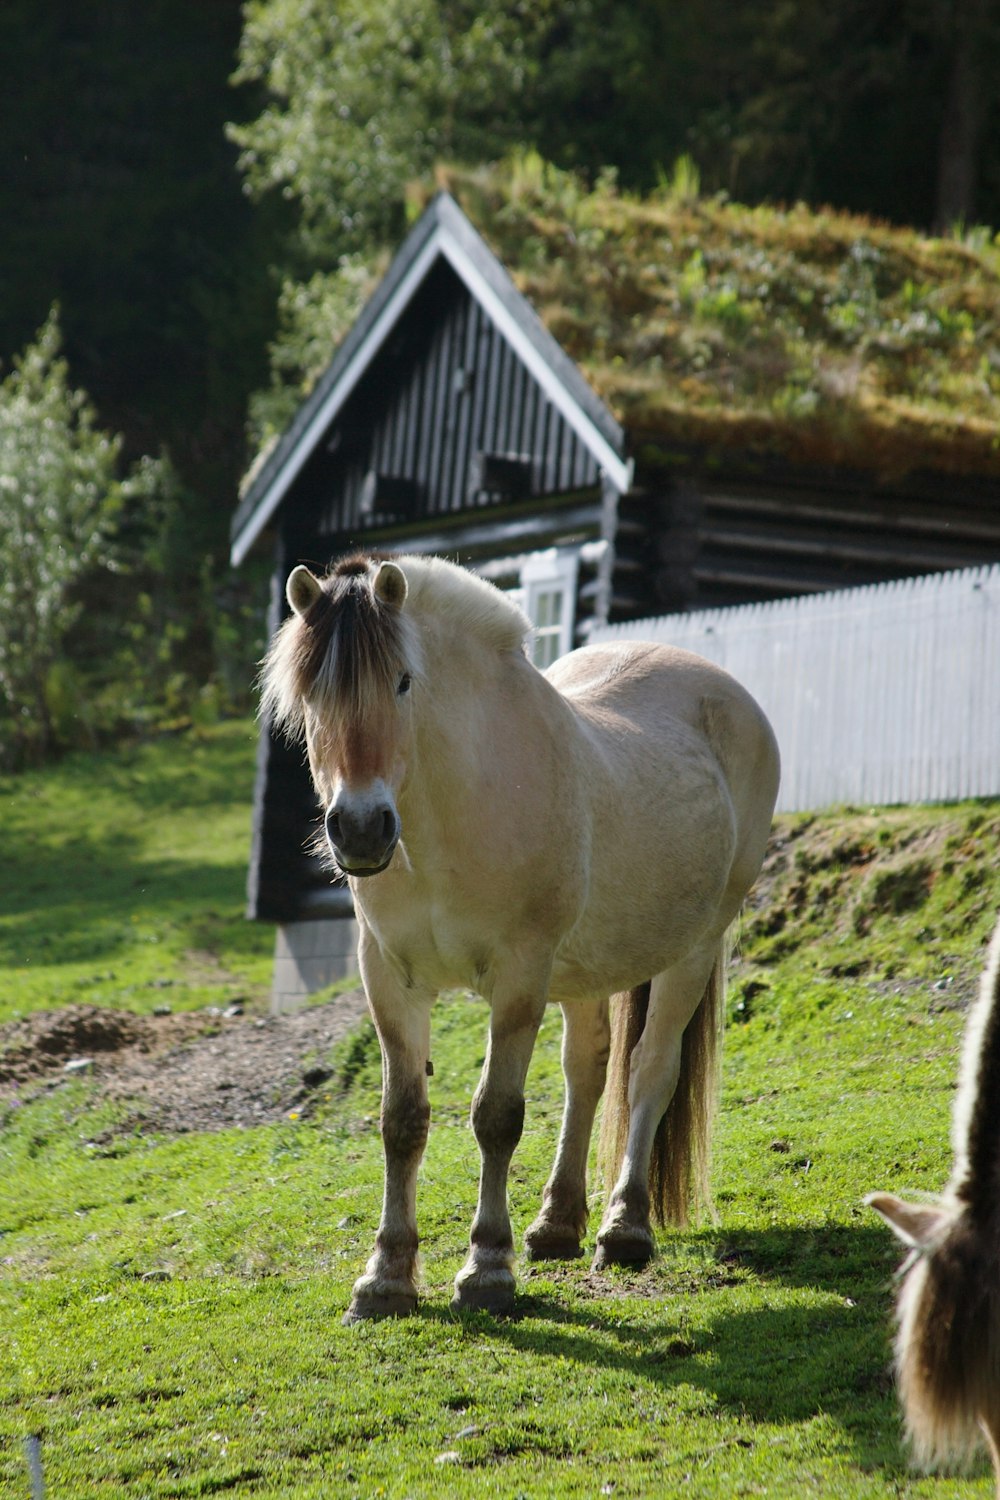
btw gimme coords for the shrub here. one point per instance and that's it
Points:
(61, 499)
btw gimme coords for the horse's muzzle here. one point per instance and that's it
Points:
(362, 838)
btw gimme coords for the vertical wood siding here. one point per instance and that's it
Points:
(448, 388)
(886, 694)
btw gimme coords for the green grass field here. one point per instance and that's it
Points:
(170, 1305)
(122, 876)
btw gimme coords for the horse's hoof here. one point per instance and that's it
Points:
(549, 1242)
(498, 1300)
(635, 1250)
(489, 1289)
(375, 1305)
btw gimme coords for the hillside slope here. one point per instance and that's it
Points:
(173, 1268)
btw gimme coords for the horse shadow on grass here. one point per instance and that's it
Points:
(773, 1359)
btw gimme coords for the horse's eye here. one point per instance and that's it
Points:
(404, 684)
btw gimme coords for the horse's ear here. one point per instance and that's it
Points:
(302, 590)
(390, 584)
(915, 1224)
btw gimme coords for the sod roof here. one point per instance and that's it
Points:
(815, 336)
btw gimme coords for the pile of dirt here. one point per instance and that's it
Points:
(197, 1070)
(49, 1040)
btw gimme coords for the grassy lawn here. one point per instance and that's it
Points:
(171, 1305)
(122, 878)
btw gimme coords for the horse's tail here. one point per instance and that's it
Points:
(628, 1017)
(948, 1308)
(681, 1159)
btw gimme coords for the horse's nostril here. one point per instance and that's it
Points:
(360, 836)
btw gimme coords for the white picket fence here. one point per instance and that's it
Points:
(879, 695)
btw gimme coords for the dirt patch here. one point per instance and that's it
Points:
(200, 1070)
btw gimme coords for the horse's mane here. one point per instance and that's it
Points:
(465, 602)
(347, 653)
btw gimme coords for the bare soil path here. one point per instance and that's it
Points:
(196, 1070)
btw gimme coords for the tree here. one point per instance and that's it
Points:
(119, 199)
(366, 94)
(973, 44)
(60, 500)
(363, 97)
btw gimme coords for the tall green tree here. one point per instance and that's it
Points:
(965, 174)
(364, 96)
(119, 198)
(366, 93)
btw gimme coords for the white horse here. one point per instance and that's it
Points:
(560, 836)
(948, 1309)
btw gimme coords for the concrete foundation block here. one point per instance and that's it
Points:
(310, 955)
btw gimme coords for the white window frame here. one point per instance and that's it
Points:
(544, 574)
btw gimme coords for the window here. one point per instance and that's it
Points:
(543, 584)
(548, 597)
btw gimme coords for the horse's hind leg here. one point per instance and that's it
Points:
(402, 1018)
(625, 1236)
(556, 1233)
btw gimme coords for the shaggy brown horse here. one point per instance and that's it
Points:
(948, 1309)
(564, 836)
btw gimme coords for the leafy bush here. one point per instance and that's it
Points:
(97, 624)
(61, 499)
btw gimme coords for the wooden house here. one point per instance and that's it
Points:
(452, 421)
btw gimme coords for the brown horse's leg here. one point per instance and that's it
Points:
(487, 1278)
(402, 1018)
(556, 1233)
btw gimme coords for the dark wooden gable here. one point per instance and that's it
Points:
(448, 382)
(446, 420)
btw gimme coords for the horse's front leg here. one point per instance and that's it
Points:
(487, 1278)
(402, 1019)
(559, 1228)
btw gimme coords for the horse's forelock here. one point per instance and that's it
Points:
(359, 563)
(343, 657)
(365, 651)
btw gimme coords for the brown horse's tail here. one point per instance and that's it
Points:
(681, 1159)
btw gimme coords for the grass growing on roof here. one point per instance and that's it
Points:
(817, 336)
